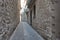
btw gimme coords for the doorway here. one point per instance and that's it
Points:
(31, 17)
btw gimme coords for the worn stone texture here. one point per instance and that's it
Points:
(9, 17)
(47, 18)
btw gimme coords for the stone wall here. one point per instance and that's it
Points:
(47, 18)
(9, 17)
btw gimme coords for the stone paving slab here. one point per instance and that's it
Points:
(25, 32)
(18, 33)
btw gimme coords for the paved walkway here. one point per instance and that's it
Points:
(25, 32)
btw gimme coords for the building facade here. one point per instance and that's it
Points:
(9, 17)
(43, 16)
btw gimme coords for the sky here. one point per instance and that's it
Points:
(23, 3)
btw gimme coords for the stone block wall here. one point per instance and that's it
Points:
(47, 18)
(43, 19)
(9, 17)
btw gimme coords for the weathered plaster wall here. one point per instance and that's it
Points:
(9, 17)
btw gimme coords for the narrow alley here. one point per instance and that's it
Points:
(25, 32)
(29, 19)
